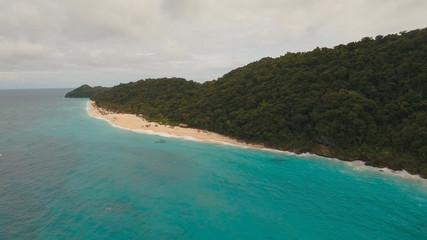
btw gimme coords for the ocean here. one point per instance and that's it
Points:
(67, 175)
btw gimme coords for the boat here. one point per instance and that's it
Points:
(160, 141)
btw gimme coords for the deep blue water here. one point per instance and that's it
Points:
(66, 175)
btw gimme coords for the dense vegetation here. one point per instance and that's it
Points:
(364, 100)
(84, 91)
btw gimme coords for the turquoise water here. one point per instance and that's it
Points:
(66, 175)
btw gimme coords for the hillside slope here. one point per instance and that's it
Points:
(84, 91)
(363, 100)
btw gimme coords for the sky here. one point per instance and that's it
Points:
(67, 43)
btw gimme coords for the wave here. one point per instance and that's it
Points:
(359, 165)
(356, 165)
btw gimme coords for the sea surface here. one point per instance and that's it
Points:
(67, 175)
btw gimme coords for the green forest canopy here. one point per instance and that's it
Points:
(84, 91)
(363, 100)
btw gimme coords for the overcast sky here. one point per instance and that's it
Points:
(66, 43)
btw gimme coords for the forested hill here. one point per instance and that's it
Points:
(84, 91)
(363, 100)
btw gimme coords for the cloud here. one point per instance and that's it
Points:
(184, 9)
(20, 50)
(69, 42)
(21, 55)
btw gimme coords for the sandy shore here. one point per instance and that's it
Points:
(134, 122)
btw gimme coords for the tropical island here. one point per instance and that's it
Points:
(365, 100)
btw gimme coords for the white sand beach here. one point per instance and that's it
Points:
(133, 122)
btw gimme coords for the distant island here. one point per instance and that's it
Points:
(365, 100)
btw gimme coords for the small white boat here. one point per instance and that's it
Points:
(160, 141)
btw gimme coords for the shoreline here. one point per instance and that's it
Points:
(137, 124)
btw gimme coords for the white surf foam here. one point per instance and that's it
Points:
(358, 165)
(361, 166)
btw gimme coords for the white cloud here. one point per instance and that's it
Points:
(71, 42)
(21, 50)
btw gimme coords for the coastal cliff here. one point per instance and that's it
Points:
(364, 100)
